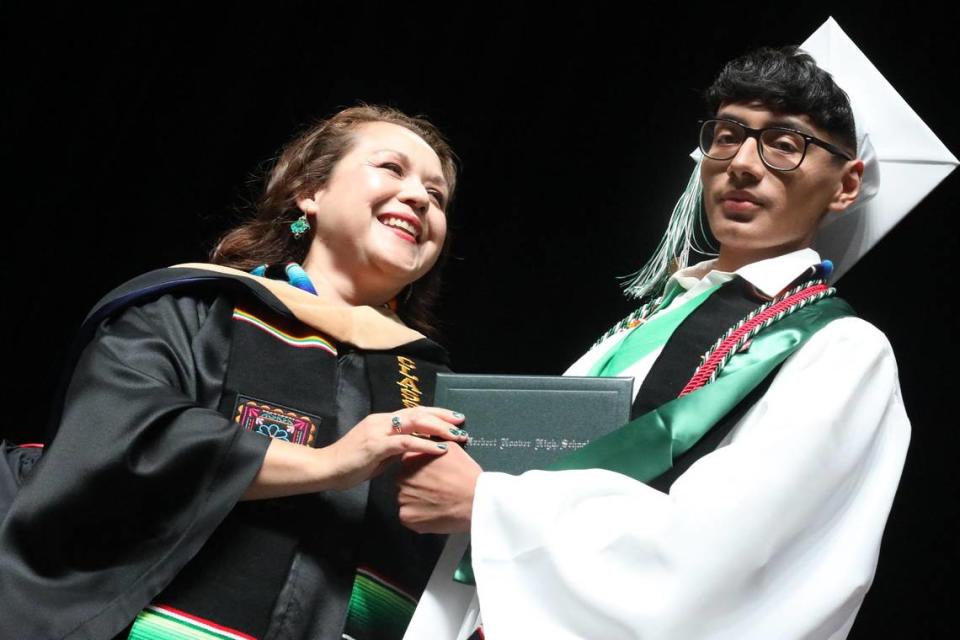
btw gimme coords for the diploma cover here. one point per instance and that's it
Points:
(518, 423)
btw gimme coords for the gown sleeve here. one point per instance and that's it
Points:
(774, 535)
(142, 470)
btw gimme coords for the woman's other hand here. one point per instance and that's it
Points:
(363, 452)
(367, 448)
(436, 493)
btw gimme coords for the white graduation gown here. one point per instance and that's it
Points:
(773, 535)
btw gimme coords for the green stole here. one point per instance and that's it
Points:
(647, 337)
(646, 447)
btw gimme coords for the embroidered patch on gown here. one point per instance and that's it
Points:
(274, 421)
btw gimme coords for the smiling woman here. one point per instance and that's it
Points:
(379, 150)
(222, 463)
(379, 220)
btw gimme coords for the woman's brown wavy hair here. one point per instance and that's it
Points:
(304, 166)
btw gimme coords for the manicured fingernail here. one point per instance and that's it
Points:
(457, 414)
(463, 433)
(442, 445)
(455, 431)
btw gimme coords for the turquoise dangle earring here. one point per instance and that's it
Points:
(300, 226)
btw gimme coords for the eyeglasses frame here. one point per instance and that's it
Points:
(756, 133)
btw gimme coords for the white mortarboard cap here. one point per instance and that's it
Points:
(903, 158)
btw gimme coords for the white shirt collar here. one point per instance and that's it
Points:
(770, 276)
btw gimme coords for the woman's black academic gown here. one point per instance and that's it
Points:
(163, 427)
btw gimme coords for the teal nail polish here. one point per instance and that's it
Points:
(462, 433)
(458, 415)
(455, 431)
(442, 445)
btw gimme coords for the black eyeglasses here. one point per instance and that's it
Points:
(779, 148)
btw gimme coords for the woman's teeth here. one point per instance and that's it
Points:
(399, 223)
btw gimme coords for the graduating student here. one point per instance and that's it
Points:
(748, 497)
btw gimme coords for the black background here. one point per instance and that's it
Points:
(132, 133)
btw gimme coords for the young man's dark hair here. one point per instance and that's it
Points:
(788, 81)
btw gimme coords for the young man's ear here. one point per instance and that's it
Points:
(849, 187)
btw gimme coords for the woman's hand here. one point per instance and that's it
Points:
(436, 494)
(367, 448)
(291, 469)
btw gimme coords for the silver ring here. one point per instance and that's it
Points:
(395, 422)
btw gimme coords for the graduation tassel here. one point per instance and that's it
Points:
(673, 252)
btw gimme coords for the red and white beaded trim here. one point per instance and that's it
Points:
(717, 357)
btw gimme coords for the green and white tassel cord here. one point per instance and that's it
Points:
(686, 223)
